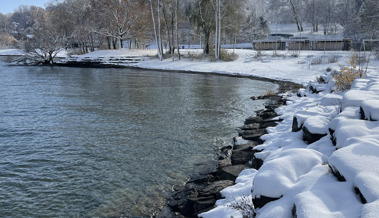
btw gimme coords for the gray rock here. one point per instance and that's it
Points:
(268, 123)
(242, 156)
(215, 188)
(250, 126)
(262, 201)
(224, 162)
(194, 206)
(252, 120)
(230, 172)
(311, 137)
(295, 125)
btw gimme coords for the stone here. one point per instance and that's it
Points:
(214, 188)
(242, 156)
(194, 206)
(263, 200)
(295, 125)
(252, 126)
(337, 174)
(267, 114)
(230, 172)
(252, 120)
(243, 147)
(311, 137)
(256, 163)
(239, 141)
(360, 195)
(333, 137)
(268, 123)
(225, 154)
(224, 162)
(254, 135)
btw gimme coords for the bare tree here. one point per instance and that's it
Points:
(176, 27)
(218, 20)
(296, 7)
(46, 41)
(157, 30)
(119, 17)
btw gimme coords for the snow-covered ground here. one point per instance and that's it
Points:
(335, 176)
(295, 66)
(11, 52)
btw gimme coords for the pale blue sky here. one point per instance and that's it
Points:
(9, 6)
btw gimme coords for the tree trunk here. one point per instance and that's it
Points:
(114, 42)
(176, 27)
(159, 29)
(155, 31)
(109, 43)
(296, 17)
(207, 36)
(121, 43)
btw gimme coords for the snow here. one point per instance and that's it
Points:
(273, 65)
(286, 167)
(238, 193)
(300, 175)
(317, 124)
(371, 109)
(12, 52)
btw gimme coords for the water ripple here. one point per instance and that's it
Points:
(94, 142)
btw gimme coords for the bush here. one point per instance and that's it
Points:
(227, 56)
(224, 55)
(320, 79)
(332, 58)
(346, 76)
(259, 54)
(295, 54)
(316, 60)
(246, 207)
(7, 41)
(195, 55)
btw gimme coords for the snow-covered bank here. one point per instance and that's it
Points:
(284, 65)
(294, 66)
(333, 175)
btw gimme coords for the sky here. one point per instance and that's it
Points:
(9, 6)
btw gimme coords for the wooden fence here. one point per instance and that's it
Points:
(302, 44)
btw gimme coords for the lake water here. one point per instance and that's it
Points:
(104, 142)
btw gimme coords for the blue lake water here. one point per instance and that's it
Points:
(105, 142)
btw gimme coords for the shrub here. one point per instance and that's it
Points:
(295, 54)
(328, 69)
(269, 93)
(227, 56)
(346, 76)
(320, 79)
(332, 58)
(259, 54)
(224, 55)
(246, 207)
(194, 55)
(316, 60)
(7, 41)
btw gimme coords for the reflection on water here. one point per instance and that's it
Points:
(102, 142)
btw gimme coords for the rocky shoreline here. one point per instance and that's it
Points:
(200, 195)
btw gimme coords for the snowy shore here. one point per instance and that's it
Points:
(322, 165)
(320, 160)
